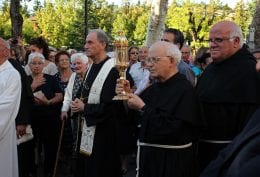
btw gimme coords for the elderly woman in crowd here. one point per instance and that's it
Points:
(40, 45)
(81, 64)
(62, 60)
(46, 110)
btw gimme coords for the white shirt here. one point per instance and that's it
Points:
(10, 94)
(140, 77)
(68, 93)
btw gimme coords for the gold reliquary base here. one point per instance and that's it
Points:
(120, 97)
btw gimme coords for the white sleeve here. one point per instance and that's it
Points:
(10, 94)
(68, 93)
(27, 70)
(50, 69)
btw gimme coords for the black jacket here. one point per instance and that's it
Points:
(23, 116)
(241, 158)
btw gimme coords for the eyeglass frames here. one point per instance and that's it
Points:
(219, 40)
(153, 60)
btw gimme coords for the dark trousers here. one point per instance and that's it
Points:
(46, 133)
(208, 152)
(25, 159)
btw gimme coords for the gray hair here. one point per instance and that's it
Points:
(80, 56)
(170, 50)
(173, 51)
(101, 36)
(34, 55)
(5, 43)
(186, 46)
(237, 32)
(232, 29)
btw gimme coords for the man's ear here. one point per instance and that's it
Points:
(173, 61)
(6, 52)
(237, 42)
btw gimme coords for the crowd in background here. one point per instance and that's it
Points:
(184, 107)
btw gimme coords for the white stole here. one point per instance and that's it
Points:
(88, 132)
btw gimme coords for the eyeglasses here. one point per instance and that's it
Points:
(166, 40)
(36, 63)
(134, 53)
(64, 60)
(153, 60)
(219, 40)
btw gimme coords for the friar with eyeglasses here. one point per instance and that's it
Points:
(228, 90)
(169, 118)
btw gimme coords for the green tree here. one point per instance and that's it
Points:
(127, 19)
(5, 22)
(59, 23)
(195, 19)
(141, 26)
(242, 16)
(101, 15)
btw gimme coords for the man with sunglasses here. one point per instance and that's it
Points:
(169, 118)
(228, 90)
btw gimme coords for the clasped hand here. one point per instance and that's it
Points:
(77, 105)
(134, 101)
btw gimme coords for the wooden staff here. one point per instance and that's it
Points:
(58, 150)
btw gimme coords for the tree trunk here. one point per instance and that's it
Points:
(256, 25)
(156, 21)
(16, 18)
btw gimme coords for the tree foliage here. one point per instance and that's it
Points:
(61, 22)
(128, 18)
(195, 19)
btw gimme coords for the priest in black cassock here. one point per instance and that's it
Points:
(169, 117)
(228, 90)
(241, 157)
(101, 157)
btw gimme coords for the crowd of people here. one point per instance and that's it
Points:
(186, 115)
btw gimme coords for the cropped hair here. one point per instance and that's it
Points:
(41, 44)
(5, 43)
(34, 55)
(80, 56)
(187, 46)
(174, 52)
(57, 56)
(178, 36)
(101, 36)
(237, 32)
